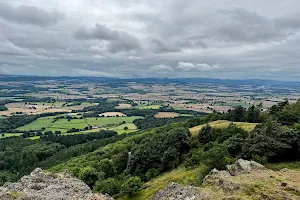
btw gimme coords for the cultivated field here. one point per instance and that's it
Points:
(112, 114)
(166, 115)
(223, 124)
(123, 106)
(63, 125)
(40, 107)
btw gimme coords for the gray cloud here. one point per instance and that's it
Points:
(140, 38)
(29, 15)
(118, 40)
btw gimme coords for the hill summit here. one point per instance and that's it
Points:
(241, 180)
(49, 186)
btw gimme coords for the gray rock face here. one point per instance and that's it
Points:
(243, 166)
(175, 191)
(45, 186)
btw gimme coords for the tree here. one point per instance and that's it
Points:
(253, 114)
(106, 166)
(110, 186)
(125, 128)
(272, 141)
(89, 175)
(132, 185)
(217, 156)
(205, 134)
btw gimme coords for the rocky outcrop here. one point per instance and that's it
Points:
(176, 191)
(47, 186)
(242, 180)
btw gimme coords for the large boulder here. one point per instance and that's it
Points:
(47, 186)
(243, 166)
(175, 191)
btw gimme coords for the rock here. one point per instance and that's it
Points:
(175, 191)
(243, 166)
(47, 186)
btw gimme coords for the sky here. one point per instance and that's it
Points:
(235, 39)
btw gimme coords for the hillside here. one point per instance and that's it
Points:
(241, 180)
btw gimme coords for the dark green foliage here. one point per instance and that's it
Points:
(252, 114)
(152, 122)
(15, 121)
(110, 186)
(90, 175)
(217, 156)
(70, 140)
(105, 166)
(273, 141)
(20, 156)
(160, 151)
(131, 185)
(238, 114)
(205, 134)
(151, 173)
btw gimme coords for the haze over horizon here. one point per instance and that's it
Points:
(229, 39)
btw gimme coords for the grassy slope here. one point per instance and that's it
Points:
(180, 175)
(224, 123)
(37, 124)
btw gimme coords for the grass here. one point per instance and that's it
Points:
(102, 121)
(63, 125)
(37, 124)
(114, 99)
(185, 115)
(141, 106)
(278, 166)
(223, 124)
(3, 117)
(180, 175)
(120, 129)
(6, 135)
(177, 107)
(73, 123)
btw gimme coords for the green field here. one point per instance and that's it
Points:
(38, 124)
(6, 135)
(120, 129)
(63, 125)
(141, 106)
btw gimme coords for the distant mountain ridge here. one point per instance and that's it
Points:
(229, 82)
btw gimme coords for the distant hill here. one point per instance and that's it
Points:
(228, 82)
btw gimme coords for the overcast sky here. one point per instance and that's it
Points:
(234, 39)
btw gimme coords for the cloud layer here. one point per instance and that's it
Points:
(139, 38)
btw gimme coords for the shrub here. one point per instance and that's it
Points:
(132, 185)
(89, 175)
(110, 186)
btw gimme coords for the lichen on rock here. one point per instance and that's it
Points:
(48, 186)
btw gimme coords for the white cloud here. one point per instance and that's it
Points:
(161, 68)
(187, 66)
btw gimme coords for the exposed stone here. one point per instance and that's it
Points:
(47, 186)
(175, 191)
(243, 166)
(242, 180)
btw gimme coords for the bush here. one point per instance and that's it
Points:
(132, 185)
(205, 134)
(89, 175)
(110, 186)
(217, 156)
(151, 173)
